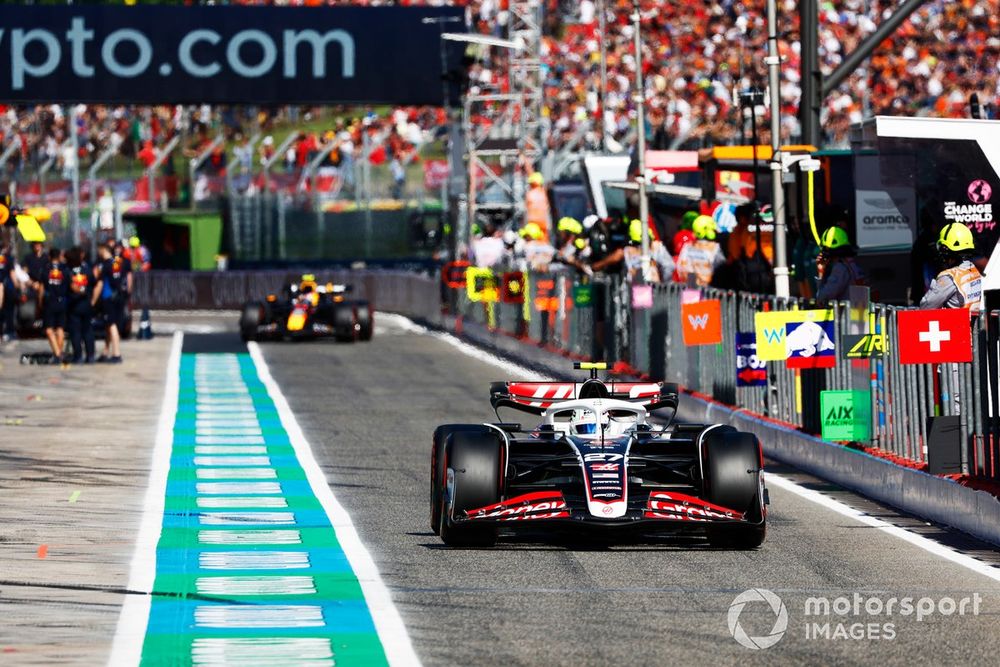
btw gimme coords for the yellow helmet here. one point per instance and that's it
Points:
(571, 225)
(635, 230)
(536, 178)
(308, 283)
(834, 237)
(134, 241)
(704, 228)
(532, 231)
(956, 237)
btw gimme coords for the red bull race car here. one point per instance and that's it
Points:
(595, 463)
(308, 310)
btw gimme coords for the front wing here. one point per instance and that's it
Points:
(661, 508)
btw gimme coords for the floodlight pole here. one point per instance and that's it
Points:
(74, 210)
(602, 11)
(773, 61)
(640, 100)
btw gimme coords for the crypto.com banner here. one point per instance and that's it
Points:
(229, 55)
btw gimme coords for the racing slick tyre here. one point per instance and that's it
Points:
(441, 434)
(343, 324)
(732, 463)
(474, 461)
(251, 318)
(363, 321)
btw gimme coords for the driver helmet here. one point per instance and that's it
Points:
(585, 422)
(307, 283)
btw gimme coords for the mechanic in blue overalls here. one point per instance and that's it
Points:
(83, 294)
(113, 274)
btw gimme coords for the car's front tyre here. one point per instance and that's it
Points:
(732, 469)
(472, 480)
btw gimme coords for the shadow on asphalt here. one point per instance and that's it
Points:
(213, 343)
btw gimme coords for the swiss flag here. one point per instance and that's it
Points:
(702, 322)
(935, 336)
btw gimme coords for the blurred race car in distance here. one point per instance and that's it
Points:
(306, 309)
(595, 463)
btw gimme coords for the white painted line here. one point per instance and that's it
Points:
(516, 371)
(388, 623)
(227, 409)
(232, 460)
(229, 536)
(261, 651)
(254, 560)
(232, 432)
(256, 585)
(221, 488)
(229, 440)
(131, 629)
(225, 502)
(259, 616)
(244, 518)
(230, 449)
(236, 473)
(916, 540)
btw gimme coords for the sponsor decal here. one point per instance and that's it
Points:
(751, 370)
(221, 55)
(978, 214)
(701, 323)
(540, 505)
(680, 507)
(810, 344)
(864, 346)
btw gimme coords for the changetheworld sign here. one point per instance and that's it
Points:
(206, 54)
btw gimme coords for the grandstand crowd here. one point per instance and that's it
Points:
(696, 56)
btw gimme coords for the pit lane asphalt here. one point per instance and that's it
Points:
(369, 409)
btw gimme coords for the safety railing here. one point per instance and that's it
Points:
(597, 318)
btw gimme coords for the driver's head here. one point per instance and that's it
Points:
(307, 284)
(585, 423)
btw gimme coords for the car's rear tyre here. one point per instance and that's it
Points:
(343, 323)
(732, 468)
(440, 438)
(363, 321)
(250, 320)
(473, 460)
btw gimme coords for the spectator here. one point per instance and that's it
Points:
(837, 268)
(699, 260)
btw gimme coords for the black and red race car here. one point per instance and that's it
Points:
(307, 309)
(595, 463)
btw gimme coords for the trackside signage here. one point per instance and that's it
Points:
(249, 55)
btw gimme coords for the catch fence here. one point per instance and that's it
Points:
(601, 318)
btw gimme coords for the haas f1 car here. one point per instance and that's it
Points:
(595, 463)
(308, 310)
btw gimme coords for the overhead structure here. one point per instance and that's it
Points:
(503, 128)
(816, 87)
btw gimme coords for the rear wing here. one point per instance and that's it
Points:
(536, 397)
